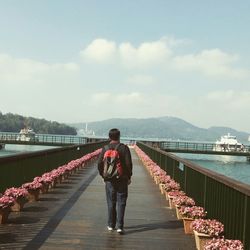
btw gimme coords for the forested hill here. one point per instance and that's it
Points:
(162, 127)
(14, 123)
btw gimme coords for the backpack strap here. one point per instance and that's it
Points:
(117, 146)
(107, 147)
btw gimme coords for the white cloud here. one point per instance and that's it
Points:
(63, 92)
(108, 105)
(145, 55)
(136, 104)
(101, 97)
(140, 80)
(22, 70)
(161, 54)
(231, 99)
(133, 98)
(107, 98)
(34, 88)
(212, 62)
(100, 51)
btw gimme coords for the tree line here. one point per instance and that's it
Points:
(14, 123)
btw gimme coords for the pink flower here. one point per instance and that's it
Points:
(6, 201)
(225, 244)
(49, 177)
(176, 193)
(172, 185)
(32, 185)
(183, 201)
(164, 178)
(193, 212)
(210, 227)
(16, 192)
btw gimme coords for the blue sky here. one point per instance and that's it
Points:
(73, 61)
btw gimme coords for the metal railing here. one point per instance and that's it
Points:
(223, 198)
(42, 139)
(202, 148)
(18, 169)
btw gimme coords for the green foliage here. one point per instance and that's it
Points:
(14, 123)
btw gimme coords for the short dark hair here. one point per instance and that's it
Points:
(114, 134)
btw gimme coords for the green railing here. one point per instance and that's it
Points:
(42, 139)
(18, 169)
(223, 198)
(203, 148)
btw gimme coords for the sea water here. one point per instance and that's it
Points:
(235, 167)
(12, 149)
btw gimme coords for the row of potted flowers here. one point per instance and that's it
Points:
(208, 233)
(13, 199)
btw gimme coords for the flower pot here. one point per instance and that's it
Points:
(170, 200)
(201, 239)
(33, 194)
(166, 195)
(44, 188)
(187, 225)
(162, 188)
(53, 183)
(60, 179)
(4, 214)
(151, 173)
(178, 214)
(19, 204)
(156, 179)
(66, 175)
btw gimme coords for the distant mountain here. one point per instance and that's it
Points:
(14, 123)
(162, 128)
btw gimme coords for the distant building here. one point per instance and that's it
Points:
(85, 131)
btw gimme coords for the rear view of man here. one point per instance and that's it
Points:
(115, 167)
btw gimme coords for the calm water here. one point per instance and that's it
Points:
(17, 149)
(235, 167)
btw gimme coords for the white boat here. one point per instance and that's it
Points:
(27, 134)
(228, 143)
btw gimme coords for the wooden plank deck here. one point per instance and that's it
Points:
(73, 216)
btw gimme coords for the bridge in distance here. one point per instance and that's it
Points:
(168, 145)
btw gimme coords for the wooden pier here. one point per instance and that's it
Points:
(73, 216)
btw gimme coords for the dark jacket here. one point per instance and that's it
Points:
(125, 158)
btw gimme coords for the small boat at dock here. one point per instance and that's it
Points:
(27, 134)
(228, 143)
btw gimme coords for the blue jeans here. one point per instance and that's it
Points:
(116, 195)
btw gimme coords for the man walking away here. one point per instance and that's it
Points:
(115, 167)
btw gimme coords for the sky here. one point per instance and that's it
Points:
(90, 60)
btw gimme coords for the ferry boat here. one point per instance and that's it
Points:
(228, 143)
(27, 134)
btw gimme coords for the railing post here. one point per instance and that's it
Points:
(245, 220)
(205, 192)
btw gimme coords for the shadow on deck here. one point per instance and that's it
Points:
(73, 216)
